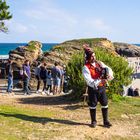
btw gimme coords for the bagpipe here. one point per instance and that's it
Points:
(104, 71)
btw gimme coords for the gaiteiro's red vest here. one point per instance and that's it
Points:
(95, 71)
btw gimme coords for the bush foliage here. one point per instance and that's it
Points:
(119, 65)
(4, 15)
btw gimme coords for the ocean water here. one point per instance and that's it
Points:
(137, 44)
(6, 47)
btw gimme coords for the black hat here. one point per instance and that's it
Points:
(88, 52)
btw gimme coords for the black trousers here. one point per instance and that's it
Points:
(49, 87)
(96, 96)
(45, 83)
(38, 82)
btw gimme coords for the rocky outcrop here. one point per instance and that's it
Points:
(127, 50)
(62, 53)
(31, 52)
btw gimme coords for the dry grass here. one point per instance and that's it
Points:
(56, 118)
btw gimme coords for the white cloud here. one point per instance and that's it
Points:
(21, 28)
(47, 21)
(48, 12)
(67, 23)
(51, 15)
(98, 24)
(16, 26)
(39, 15)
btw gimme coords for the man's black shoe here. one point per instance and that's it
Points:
(93, 124)
(107, 124)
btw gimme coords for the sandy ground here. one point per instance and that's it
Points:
(79, 119)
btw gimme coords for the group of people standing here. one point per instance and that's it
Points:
(25, 73)
(53, 78)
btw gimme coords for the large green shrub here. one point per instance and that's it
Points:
(119, 65)
(74, 69)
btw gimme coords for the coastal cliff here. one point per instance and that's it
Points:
(62, 53)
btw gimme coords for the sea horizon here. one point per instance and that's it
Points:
(5, 48)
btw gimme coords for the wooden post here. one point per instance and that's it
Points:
(85, 95)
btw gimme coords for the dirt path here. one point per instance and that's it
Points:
(76, 119)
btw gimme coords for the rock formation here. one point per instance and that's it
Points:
(127, 50)
(63, 52)
(31, 52)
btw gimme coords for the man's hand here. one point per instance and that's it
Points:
(103, 81)
(110, 77)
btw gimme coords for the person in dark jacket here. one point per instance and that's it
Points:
(56, 76)
(26, 77)
(130, 91)
(49, 83)
(9, 69)
(43, 76)
(136, 92)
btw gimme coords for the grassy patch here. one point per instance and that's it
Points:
(128, 106)
(31, 46)
(91, 41)
(19, 123)
(22, 122)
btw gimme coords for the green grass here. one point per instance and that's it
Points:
(91, 41)
(22, 122)
(31, 48)
(129, 106)
(19, 123)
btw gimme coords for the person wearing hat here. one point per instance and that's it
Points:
(92, 72)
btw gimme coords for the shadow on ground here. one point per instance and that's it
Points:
(42, 120)
(63, 100)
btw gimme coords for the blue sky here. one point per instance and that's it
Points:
(52, 21)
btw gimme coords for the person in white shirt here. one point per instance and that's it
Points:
(96, 75)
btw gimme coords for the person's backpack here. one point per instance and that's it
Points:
(43, 73)
(55, 72)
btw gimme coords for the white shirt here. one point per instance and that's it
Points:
(95, 82)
